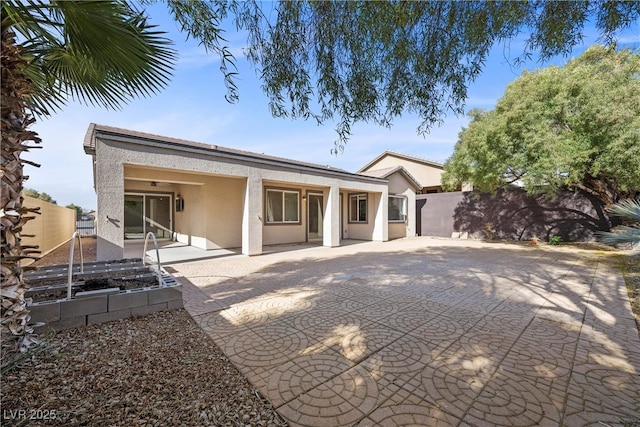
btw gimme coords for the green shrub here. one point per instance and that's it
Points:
(555, 240)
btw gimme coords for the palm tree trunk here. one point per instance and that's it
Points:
(16, 332)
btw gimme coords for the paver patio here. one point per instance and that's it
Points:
(426, 332)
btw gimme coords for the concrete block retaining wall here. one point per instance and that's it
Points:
(91, 310)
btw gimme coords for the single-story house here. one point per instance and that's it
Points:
(212, 197)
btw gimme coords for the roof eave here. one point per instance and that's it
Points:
(402, 156)
(210, 150)
(404, 172)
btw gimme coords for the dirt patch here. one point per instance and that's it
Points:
(60, 255)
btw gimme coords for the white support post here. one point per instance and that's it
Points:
(381, 223)
(331, 225)
(252, 216)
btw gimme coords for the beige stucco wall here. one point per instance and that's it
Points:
(53, 227)
(212, 215)
(190, 224)
(399, 185)
(224, 204)
(397, 230)
(357, 230)
(426, 175)
(275, 234)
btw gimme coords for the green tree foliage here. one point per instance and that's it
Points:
(38, 195)
(365, 61)
(101, 53)
(76, 208)
(575, 126)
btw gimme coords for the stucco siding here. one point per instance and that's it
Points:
(427, 176)
(397, 230)
(364, 230)
(360, 231)
(399, 185)
(223, 212)
(109, 183)
(275, 234)
(279, 234)
(191, 221)
(212, 215)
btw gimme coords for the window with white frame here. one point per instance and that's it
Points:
(358, 208)
(397, 208)
(282, 206)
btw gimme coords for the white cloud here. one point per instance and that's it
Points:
(197, 57)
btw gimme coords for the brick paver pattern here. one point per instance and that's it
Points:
(426, 332)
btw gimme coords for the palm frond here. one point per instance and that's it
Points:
(629, 208)
(100, 53)
(620, 235)
(624, 234)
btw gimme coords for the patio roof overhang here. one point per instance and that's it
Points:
(219, 153)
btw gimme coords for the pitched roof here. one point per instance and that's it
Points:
(387, 172)
(96, 131)
(401, 156)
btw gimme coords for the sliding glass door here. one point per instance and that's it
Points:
(133, 216)
(147, 212)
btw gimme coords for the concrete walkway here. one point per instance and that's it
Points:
(426, 332)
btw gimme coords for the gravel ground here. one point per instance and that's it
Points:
(630, 266)
(156, 370)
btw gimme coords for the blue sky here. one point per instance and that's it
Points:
(193, 107)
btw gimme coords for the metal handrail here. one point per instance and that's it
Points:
(70, 271)
(144, 255)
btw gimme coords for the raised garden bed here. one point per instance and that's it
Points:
(103, 292)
